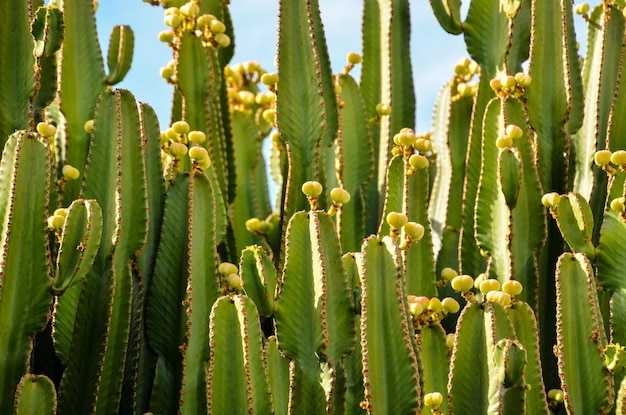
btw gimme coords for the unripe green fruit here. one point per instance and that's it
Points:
(253, 224)
(512, 287)
(397, 220)
(354, 58)
(217, 27)
(414, 231)
(45, 129)
(514, 131)
(433, 400)
(416, 309)
(178, 150)
(435, 305)
(190, 9)
(418, 162)
(383, 109)
(227, 268)
(551, 199)
(312, 189)
(269, 78)
(197, 137)
(602, 157)
(619, 158)
(235, 282)
(56, 222)
(166, 36)
(617, 205)
(180, 127)
(339, 195)
(448, 274)
(462, 283)
(451, 305)
(70, 172)
(555, 395)
(88, 126)
(222, 39)
(265, 227)
(489, 285)
(581, 8)
(504, 141)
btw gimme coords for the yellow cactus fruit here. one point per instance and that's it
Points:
(253, 225)
(450, 341)
(167, 72)
(489, 285)
(514, 131)
(555, 395)
(435, 305)
(581, 8)
(173, 20)
(227, 268)
(265, 227)
(479, 279)
(312, 189)
(551, 199)
(45, 129)
(269, 78)
(354, 58)
(383, 109)
(414, 231)
(504, 141)
(88, 126)
(166, 36)
(247, 97)
(171, 10)
(339, 195)
(269, 115)
(405, 137)
(397, 220)
(190, 9)
(56, 222)
(222, 39)
(617, 205)
(433, 400)
(197, 137)
(522, 79)
(200, 156)
(508, 81)
(418, 162)
(205, 20)
(217, 27)
(619, 158)
(70, 172)
(416, 308)
(61, 212)
(495, 84)
(171, 134)
(512, 287)
(602, 157)
(235, 282)
(180, 127)
(178, 150)
(450, 305)
(462, 283)
(448, 274)
(499, 297)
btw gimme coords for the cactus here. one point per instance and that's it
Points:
(144, 269)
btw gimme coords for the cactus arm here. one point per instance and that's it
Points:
(356, 157)
(82, 80)
(510, 368)
(575, 220)
(609, 254)
(526, 331)
(435, 362)
(259, 278)
(79, 245)
(391, 380)
(237, 381)
(586, 382)
(18, 84)
(448, 14)
(35, 396)
(616, 130)
(620, 405)
(120, 54)
(394, 192)
(278, 376)
(24, 268)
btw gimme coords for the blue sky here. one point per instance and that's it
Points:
(433, 51)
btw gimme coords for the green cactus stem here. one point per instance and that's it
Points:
(35, 395)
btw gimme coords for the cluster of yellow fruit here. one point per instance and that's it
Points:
(462, 84)
(178, 141)
(231, 281)
(426, 311)
(240, 78)
(511, 133)
(57, 220)
(490, 289)
(48, 131)
(399, 222)
(511, 85)
(187, 18)
(338, 195)
(416, 148)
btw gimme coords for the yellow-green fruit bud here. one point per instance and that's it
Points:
(418, 162)
(396, 220)
(581, 8)
(499, 297)
(190, 9)
(495, 84)
(433, 400)
(167, 72)
(555, 395)
(339, 195)
(265, 227)
(462, 283)
(197, 137)
(262, 98)
(479, 279)
(504, 141)
(171, 134)
(383, 109)
(61, 212)
(522, 79)
(450, 340)
(247, 97)
(178, 149)
(489, 285)
(235, 282)
(166, 36)
(173, 20)
(217, 26)
(354, 58)
(227, 268)
(253, 224)
(512, 287)
(269, 78)
(45, 129)
(416, 308)
(451, 305)
(312, 189)
(269, 115)
(56, 222)
(70, 172)
(405, 138)
(435, 305)
(222, 39)
(180, 127)
(619, 158)
(172, 11)
(602, 157)
(514, 131)
(448, 274)
(199, 154)
(423, 300)
(618, 205)
(551, 199)
(508, 81)
(88, 126)
(205, 20)
(414, 231)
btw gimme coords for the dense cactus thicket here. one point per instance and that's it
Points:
(474, 269)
